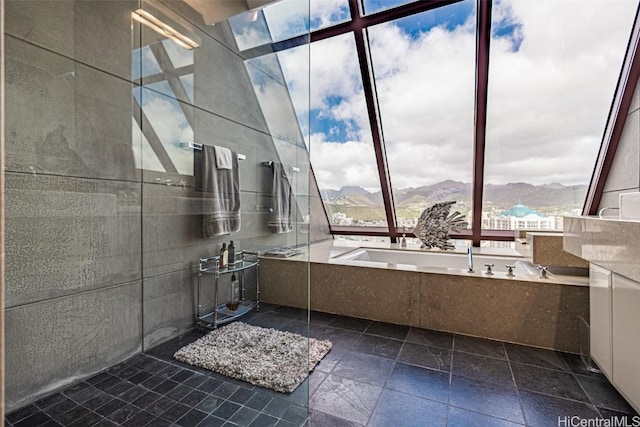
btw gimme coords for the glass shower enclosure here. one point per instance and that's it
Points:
(111, 108)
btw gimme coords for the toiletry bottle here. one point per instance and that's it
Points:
(232, 254)
(224, 253)
(234, 293)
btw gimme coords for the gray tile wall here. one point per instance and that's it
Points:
(624, 176)
(100, 256)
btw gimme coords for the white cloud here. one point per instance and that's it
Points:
(327, 12)
(349, 163)
(547, 102)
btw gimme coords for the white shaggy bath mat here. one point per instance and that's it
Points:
(265, 357)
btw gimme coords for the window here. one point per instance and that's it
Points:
(325, 13)
(424, 74)
(340, 143)
(373, 6)
(552, 74)
(553, 70)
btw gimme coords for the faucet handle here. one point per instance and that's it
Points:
(510, 269)
(489, 268)
(543, 271)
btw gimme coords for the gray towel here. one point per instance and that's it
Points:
(220, 195)
(280, 219)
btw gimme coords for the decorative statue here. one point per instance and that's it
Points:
(435, 223)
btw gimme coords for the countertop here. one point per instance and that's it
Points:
(613, 244)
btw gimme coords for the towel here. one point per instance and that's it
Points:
(223, 158)
(220, 195)
(280, 219)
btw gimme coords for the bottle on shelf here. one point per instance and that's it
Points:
(224, 254)
(232, 254)
(234, 293)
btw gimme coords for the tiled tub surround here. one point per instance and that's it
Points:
(377, 374)
(526, 310)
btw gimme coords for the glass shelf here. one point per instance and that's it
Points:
(225, 315)
(210, 318)
(239, 265)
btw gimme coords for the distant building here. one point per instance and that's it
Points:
(520, 217)
(340, 218)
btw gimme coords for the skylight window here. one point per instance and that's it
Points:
(424, 68)
(415, 134)
(552, 74)
(340, 143)
(373, 6)
(325, 13)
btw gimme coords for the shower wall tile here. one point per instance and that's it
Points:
(92, 330)
(172, 224)
(93, 32)
(169, 306)
(172, 229)
(227, 80)
(65, 235)
(65, 118)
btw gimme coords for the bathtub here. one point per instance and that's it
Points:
(451, 262)
(432, 289)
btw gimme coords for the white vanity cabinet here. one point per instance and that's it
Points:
(601, 326)
(626, 338)
(614, 306)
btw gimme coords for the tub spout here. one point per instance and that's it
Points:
(470, 255)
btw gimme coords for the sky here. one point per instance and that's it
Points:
(553, 70)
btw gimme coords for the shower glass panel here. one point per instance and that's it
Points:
(188, 100)
(111, 108)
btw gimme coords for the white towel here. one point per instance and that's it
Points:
(223, 157)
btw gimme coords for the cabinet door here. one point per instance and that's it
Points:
(626, 338)
(600, 318)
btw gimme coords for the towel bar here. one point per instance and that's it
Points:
(295, 169)
(197, 146)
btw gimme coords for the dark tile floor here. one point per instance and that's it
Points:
(376, 375)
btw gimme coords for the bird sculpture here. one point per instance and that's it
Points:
(435, 223)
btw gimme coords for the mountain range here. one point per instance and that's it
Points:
(535, 196)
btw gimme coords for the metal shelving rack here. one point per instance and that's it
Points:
(206, 319)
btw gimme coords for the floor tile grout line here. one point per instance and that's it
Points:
(486, 415)
(384, 385)
(515, 383)
(453, 346)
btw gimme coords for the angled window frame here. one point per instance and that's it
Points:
(358, 24)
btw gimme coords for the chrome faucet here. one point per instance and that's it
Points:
(489, 269)
(543, 271)
(470, 256)
(510, 269)
(403, 242)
